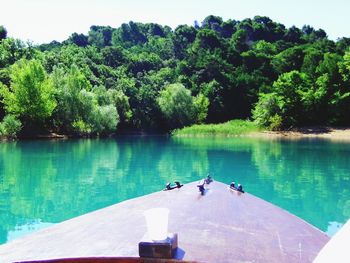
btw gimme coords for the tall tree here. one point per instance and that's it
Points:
(30, 95)
(100, 36)
(79, 39)
(285, 104)
(176, 103)
(3, 32)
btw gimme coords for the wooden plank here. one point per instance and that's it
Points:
(220, 226)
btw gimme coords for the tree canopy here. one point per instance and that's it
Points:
(3, 32)
(30, 95)
(145, 76)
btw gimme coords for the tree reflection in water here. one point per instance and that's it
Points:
(45, 182)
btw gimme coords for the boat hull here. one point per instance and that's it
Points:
(221, 225)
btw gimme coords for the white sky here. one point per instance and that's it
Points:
(46, 20)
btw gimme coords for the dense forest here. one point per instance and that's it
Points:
(148, 77)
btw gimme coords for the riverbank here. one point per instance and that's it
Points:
(245, 128)
(340, 134)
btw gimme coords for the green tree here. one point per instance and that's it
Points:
(31, 93)
(121, 102)
(235, 66)
(70, 102)
(214, 92)
(265, 29)
(239, 40)
(183, 37)
(113, 56)
(288, 103)
(266, 48)
(212, 22)
(3, 32)
(129, 34)
(342, 45)
(293, 89)
(164, 47)
(201, 104)
(288, 60)
(293, 35)
(311, 61)
(228, 28)
(79, 39)
(104, 119)
(176, 103)
(267, 110)
(144, 61)
(207, 39)
(344, 66)
(80, 108)
(100, 36)
(11, 50)
(312, 35)
(342, 94)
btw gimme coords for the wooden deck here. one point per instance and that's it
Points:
(221, 226)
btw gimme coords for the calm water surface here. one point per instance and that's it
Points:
(46, 182)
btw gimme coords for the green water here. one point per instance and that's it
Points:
(46, 182)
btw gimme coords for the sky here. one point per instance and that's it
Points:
(42, 21)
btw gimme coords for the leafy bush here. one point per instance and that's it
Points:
(201, 104)
(275, 123)
(81, 127)
(105, 119)
(10, 126)
(265, 108)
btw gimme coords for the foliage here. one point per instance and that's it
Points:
(231, 128)
(288, 103)
(79, 39)
(10, 126)
(12, 50)
(288, 60)
(105, 119)
(254, 68)
(70, 106)
(345, 66)
(30, 95)
(3, 33)
(81, 110)
(121, 102)
(201, 104)
(275, 123)
(100, 36)
(176, 103)
(266, 110)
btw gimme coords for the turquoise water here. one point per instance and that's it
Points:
(46, 182)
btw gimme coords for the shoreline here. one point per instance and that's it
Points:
(339, 134)
(328, 133)
(331, 133)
